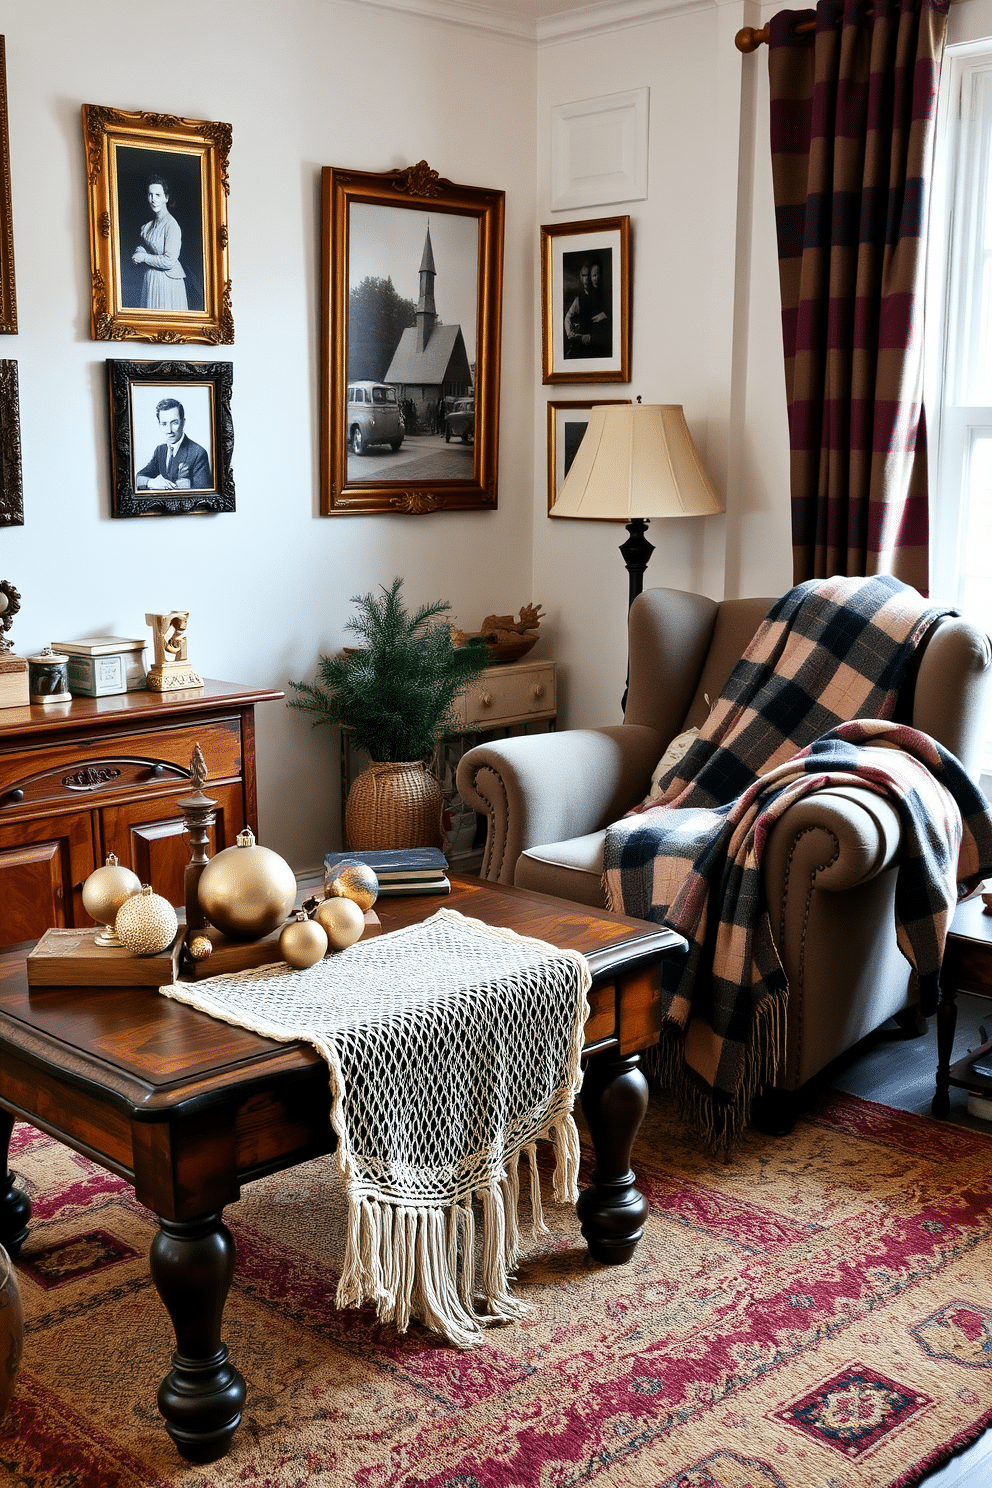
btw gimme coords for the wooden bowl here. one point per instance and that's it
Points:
(505, 650)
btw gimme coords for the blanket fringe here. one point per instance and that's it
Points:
(419, 1260)
(718, 1117)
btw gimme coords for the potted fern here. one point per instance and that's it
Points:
(395, 690)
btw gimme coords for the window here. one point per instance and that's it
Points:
(959, 321)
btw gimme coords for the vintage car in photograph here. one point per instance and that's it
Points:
(459, 421)
(373, 416)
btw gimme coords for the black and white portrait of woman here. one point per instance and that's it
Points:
(160, 215)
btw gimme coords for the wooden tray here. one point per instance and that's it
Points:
(242, 955)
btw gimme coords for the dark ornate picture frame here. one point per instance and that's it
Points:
(565, 418)
(434, 353)
(11, 495)
(203, 390)
(586, 326)
(177, 296)
(8, 298)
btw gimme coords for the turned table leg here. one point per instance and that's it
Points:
(947, 1017)
(192, 1265)
(15, 1206)
(612, 1211)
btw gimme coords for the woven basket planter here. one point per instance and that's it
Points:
(394, 804)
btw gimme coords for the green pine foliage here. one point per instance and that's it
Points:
(397, 687)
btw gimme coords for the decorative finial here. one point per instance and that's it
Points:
(198, 768)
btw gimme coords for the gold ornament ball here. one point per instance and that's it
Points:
(146, 923)
(355, 881)
(343, 921)
(303, 942)
(246, 891)
(106, 890)
(200, 947)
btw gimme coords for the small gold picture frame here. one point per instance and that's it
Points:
(567, 422)
(586, 300)
(157, 190)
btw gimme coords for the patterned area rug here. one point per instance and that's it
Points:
(817, 1313)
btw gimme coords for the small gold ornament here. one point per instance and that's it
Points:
(303, 942)
(200, 948)
(103, 894)
(246, 890)
(355, 881)
(343, 921)
(146, 923)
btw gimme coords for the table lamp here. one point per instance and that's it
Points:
(636, 461)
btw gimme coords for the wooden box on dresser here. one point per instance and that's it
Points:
(95, 776)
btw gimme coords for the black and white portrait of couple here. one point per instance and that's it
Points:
(585, 300)
(160, 222)
(588, 314)
(173, 437)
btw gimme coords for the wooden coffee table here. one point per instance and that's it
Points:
(187, 1109)
(966, 967)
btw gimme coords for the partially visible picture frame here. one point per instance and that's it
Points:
(586, 300)
(171, 438)
(11, 494)
(567, 422)
(412, 274)
(8, 298)
(157, 192)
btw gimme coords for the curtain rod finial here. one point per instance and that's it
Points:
(748, 39)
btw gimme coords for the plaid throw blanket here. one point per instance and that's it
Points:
(693, 859)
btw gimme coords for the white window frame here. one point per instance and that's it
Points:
(957, 354)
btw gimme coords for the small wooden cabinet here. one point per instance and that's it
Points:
(103, 775)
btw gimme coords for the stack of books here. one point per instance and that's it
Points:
(400, 870)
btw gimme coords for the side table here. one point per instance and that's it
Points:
(505, 699)
(967, 967)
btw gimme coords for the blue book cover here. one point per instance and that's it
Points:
(418, 862)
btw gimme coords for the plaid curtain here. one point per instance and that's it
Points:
(853, 103)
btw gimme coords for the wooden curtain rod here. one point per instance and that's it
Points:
(748, 38)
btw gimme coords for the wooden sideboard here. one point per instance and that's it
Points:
(95, 776)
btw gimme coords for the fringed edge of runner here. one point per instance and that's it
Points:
(418, 1261)
(717, 1116)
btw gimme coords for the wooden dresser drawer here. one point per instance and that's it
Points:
(509, 694)
(97, 769)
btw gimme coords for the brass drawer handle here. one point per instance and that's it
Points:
(537, 690)
(486, 700)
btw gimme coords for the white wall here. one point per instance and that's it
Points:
(706, 333)
(304, 83)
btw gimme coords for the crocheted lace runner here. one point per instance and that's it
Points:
(452, 1047)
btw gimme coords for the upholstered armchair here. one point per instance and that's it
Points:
(830, 862)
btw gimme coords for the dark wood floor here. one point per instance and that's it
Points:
(899, 1072)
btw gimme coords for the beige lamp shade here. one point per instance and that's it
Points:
(636, 460)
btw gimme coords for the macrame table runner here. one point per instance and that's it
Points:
(452, 1047)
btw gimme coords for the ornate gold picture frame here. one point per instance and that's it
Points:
(8, 299)
(157, 190)
(586, 300)
(412, 271)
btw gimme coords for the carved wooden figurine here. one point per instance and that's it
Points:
(170, 669)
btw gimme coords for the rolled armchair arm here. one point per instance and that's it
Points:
(538, 788)
(831, 840)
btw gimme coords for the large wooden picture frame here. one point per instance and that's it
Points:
(8, 299)
(11, 497)
(171, 438)
(567, 422)
(412, 271)
(585, 300)
(157, 190)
